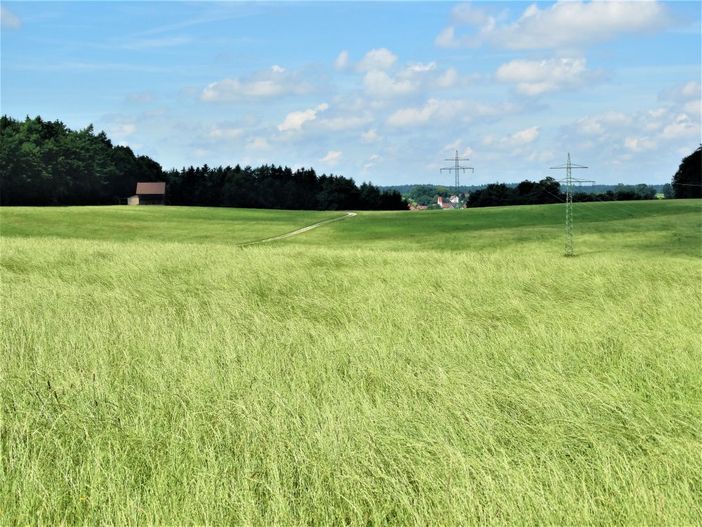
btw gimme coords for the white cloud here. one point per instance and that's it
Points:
(681, 92)
(377, 59)
(617, 135)
(599, 125)
(421, 68)
(447, 79)
(447, 38)
(534, 77)
(8, 19)
(639, 144)
(686, 96)
(433, 110)
(516, 140)
(439, 111)
(122, 129)
(274, 82)
(332, 157)
(690, 89)
(561, 25)
(457, 146)
(683, 126)
(370, 136)
(414, 77)
(224, 132)
(295, 120)
(348, 122)
(342, 60)
(414, 116)
(141, 97)
(526, 136)
(258, 143)
(380, 84)
(541, 156)
(371, 162)
(469, 14)
(590, 126)
(693, 107)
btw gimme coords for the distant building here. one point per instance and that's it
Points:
(149, 193)
(452, 203)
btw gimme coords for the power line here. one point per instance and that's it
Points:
(569, 180)
(457, 168)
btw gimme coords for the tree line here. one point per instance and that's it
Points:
(46, 163)
(686, 183)
(548, 190)
(275, 187)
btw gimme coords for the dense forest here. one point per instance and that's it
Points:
(46, 163)
(271, 187)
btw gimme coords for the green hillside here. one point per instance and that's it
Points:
(614, 228)
(446, 367)
(156, 224)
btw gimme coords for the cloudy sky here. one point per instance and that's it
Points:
(380, 92)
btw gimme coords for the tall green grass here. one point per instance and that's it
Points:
(160, 224)
(443, 368)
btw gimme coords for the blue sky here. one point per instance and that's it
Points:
(380, 92)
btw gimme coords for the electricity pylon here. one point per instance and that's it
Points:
(569, 180)
(457, 167)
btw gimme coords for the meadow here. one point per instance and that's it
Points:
(403, 368)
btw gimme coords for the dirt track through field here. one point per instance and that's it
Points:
(299, 231)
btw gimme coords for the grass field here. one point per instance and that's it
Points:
(433, 368)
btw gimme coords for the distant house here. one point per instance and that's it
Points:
(149, 193)
(454, 202)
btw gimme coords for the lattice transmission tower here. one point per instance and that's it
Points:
(569, 180)
(457, 168)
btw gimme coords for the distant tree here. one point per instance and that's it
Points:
(667, 190)
(423, 194)
(687, 181)
(644, 191)
(492, 195)
(549, 191)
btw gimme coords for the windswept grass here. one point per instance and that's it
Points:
(338, 378)
(160, 224)
(623, 228)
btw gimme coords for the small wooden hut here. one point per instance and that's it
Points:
(149, 193)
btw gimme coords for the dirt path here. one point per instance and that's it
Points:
(299, 231)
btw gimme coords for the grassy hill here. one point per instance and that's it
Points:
(156, 224)
(444, 367)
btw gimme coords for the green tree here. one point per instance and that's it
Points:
(687, 181)
(667, 190)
